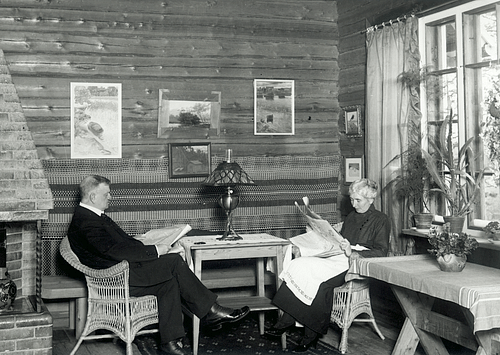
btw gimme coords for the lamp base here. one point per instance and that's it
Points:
(229, 237)
(230, 233)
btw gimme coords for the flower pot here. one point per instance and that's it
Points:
(456, 223)
(494, 236)
(423, 220)
(451, 262)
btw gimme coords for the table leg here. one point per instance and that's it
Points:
(483, 338)
(196, 321)
(410, 334)
(261, 291)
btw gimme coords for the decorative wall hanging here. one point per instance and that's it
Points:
(352, 120)
(354, 169)
(274, 109)
(96, 120)
(188, 115)
(189, 160)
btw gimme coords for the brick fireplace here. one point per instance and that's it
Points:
(25, 200)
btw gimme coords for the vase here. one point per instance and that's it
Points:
(456, 223)
(451, 262)
(494, 235)
(423, 220)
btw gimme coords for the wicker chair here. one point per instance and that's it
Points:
(110, 306)
(349, 301)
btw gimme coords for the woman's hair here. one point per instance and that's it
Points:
(364, 187)
(90, 183)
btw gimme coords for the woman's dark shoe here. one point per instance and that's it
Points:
(305, 344)
(274, 332)
(173, 347)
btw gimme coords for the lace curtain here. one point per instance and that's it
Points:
(391, 108)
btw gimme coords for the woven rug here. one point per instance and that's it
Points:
(239, 339)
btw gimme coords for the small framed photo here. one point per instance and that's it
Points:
(354, 169)
(274, 107)
(189, 160)
(352, 119)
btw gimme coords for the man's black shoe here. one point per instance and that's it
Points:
(219, 315)
(173, 347)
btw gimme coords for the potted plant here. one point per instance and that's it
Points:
(451, 249)
(493, 230)
(408, 185)
(455, 178)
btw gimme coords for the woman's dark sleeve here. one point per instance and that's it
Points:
(379, 239)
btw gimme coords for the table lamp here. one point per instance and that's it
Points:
(228, 174)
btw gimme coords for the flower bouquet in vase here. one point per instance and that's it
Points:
(451, 249)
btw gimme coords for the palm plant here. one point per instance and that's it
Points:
(455, 178)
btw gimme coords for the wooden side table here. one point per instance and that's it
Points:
(253, 246)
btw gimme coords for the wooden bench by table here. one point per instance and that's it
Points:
(64, 287)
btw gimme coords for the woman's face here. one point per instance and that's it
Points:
(360, 203)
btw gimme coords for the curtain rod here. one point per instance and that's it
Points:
(387, 23)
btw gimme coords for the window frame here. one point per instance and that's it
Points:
(463, 17)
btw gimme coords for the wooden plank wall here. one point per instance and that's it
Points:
(185, 46)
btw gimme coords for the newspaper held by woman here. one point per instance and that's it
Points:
(321, 239)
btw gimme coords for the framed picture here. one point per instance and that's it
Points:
(354, 169)
(96, 120)
(274, 109)
(188, 160)
(188, 115)
(352, 119)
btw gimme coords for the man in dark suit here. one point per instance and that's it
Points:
(100, 243)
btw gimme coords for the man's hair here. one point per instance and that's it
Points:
(90, 183)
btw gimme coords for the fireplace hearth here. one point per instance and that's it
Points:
(26, 198)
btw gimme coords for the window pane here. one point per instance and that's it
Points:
(491, 199)
(441, 51)
(488, 42)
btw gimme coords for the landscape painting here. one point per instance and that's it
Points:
(274, 107)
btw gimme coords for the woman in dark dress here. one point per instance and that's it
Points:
(366, 232)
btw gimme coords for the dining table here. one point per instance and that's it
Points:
(417, 282)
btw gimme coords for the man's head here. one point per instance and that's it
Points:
(94, 191)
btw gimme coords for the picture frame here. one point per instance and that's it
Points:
(188, 115)
(274, 107)
(354, 169)
(189, 160)
(352, 120)
(96, 120)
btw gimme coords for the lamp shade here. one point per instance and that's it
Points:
(228, 174)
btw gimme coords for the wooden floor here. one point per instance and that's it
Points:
(362, 339)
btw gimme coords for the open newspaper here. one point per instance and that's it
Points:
(321, 239)
(166, 235)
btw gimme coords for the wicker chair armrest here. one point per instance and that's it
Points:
(68, 254)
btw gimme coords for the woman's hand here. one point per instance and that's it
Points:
(346, 247)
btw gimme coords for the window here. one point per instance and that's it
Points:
(459, 53)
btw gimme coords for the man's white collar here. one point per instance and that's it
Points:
(92, 208)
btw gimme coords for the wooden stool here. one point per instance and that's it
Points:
(64, 287)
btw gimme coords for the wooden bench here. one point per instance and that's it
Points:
(64, 287)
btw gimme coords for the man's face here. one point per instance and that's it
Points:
(100, 197)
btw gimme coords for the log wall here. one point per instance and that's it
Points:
(185, 46)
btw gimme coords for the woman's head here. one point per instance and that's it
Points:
(363, 193)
